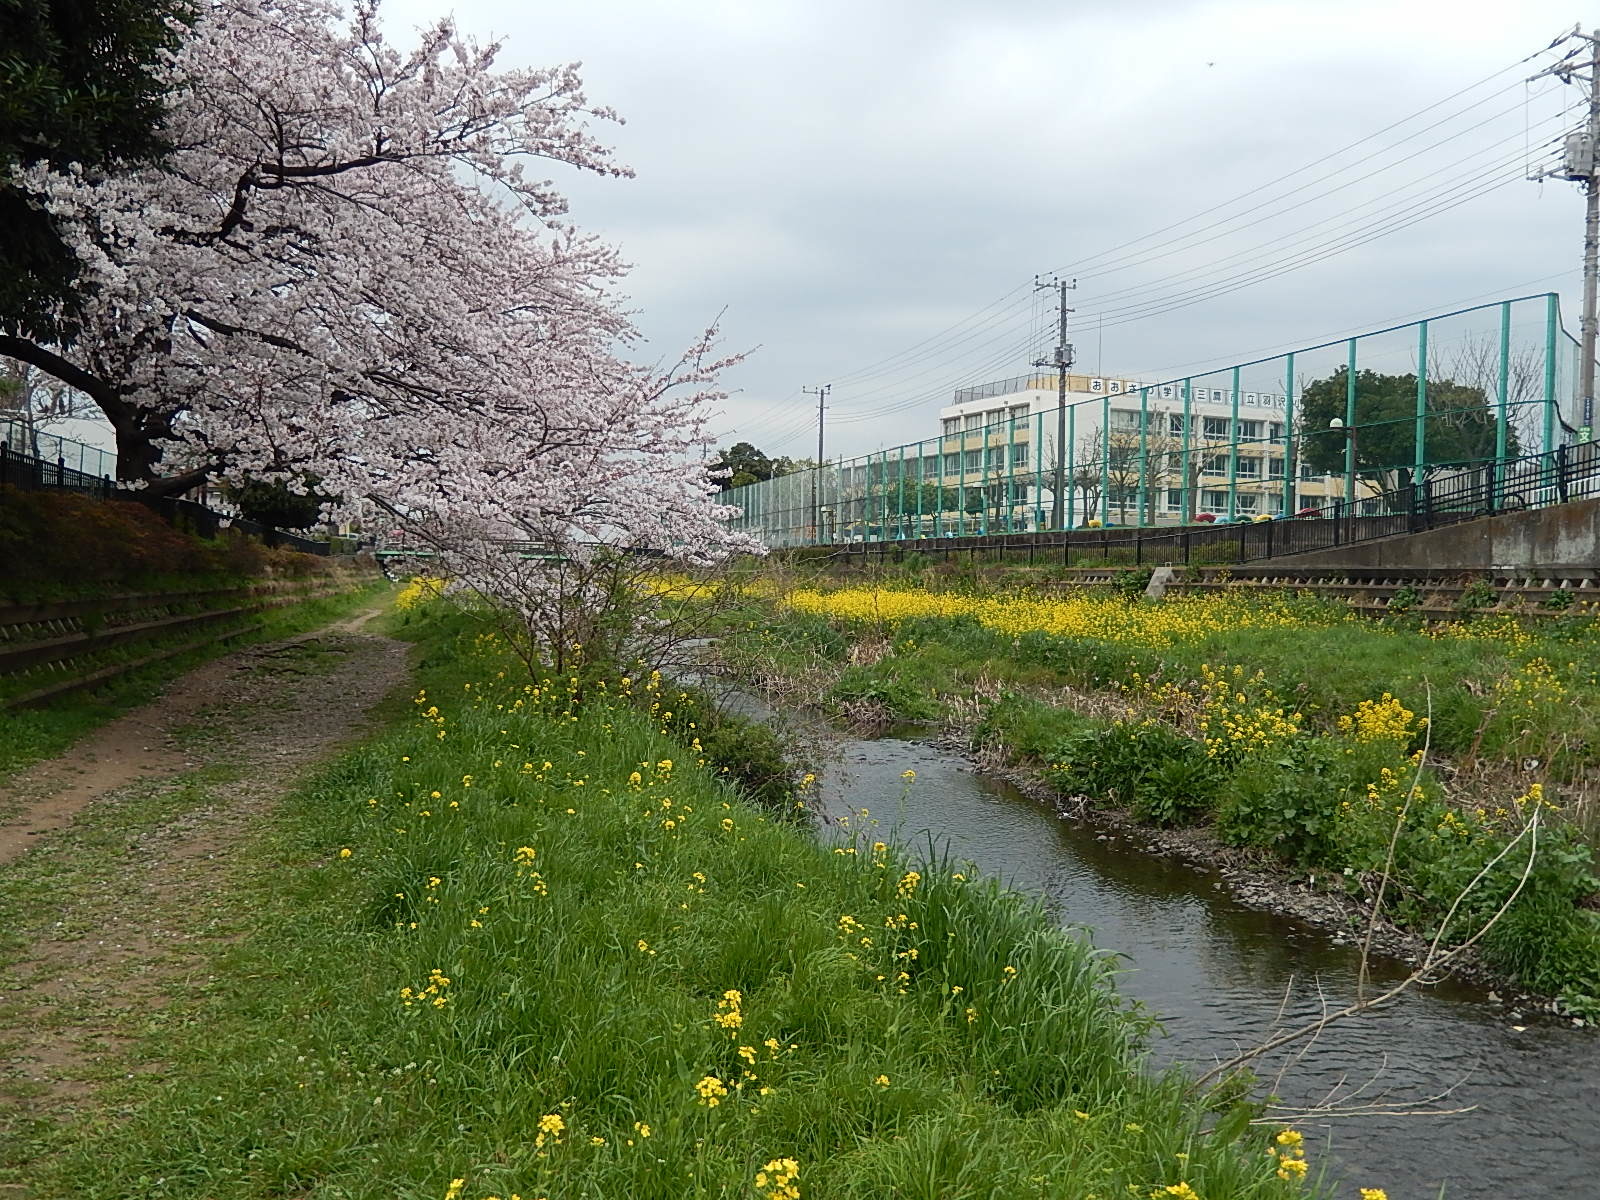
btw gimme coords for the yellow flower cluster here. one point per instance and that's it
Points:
(1233, 723)
(550, 1128)
(711, 1091)
(420, 590)
(1389, 790)
(524, 858)
(1382, 720)
(779, 1180)
(1082, 615)
(1289, 1150)
(728, 1016)
(433, 992)
(909, 882)
(1534, 797)
(1532, 692)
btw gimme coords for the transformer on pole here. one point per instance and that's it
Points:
(1578, 166)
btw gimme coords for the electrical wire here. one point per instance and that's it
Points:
(998, 324)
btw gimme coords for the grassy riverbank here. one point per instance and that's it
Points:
(514, 947)
(1279, 723)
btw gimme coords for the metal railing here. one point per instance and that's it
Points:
(28, 472)
(24, 437)
(1492, 487)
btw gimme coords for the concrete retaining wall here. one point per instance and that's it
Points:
(1566, 535)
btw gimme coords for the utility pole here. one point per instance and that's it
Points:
(821, 393)
(1061, 359)
(1579, 166)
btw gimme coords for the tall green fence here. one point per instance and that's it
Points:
(1347, 421)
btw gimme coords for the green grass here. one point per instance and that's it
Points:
(28, 735)
(1078, 712)
(1323, 667)
(948, 1040)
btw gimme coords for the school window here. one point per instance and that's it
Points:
(952, 464)
(1215, 464)
(1216, 427)
(973, 421)
(1246, 502)
(1249, 468)
(1249, 431)
(1019, 454)
(974, 460)
(1275, 431)
(1175, 424)
(1214, 500)
(1174, 499)
(951, 425)
(1019, 412)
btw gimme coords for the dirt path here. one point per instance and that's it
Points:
(153, 742)
(116, 870)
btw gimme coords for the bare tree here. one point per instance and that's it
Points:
(1139, 467)
(1475, 362)
(31, 402)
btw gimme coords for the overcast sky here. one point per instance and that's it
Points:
(854, 183)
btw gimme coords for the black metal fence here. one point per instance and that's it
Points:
(28, 473)
(1447, 498)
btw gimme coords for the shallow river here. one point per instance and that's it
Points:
(1216, 973)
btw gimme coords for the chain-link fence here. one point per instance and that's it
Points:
(1350, 422)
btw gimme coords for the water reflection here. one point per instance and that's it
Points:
(1217, 973)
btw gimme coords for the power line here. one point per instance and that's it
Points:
(997, 320)
(1083, 265)
(1266, 216)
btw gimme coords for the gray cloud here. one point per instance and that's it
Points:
(847, 180)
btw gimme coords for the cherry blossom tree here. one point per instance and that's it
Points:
(345, 269)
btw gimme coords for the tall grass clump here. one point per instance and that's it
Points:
(521, 946)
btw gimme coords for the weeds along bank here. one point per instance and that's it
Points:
(1457, 760)
(515, 946)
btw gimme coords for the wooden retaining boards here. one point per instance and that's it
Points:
(111, 672)
(66, 610)
(56, 652)
(63, 648)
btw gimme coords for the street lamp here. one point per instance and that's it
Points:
(1337, 425)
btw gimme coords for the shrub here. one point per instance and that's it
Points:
(1404, 600)
(1162, 775)
(1477, 594)
(897, 697)
(1132, 583)
(1293, 804)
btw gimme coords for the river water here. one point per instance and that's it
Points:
(1217, 973)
